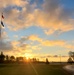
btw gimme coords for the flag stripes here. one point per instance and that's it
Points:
(2, 17)
(2, 24)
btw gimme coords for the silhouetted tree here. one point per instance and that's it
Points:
(70, 60)
(19, 59)
(7, 58)
(34, 60)
(37, 60)
(47, 62)
(12, 58)
(71, 54)
(2, 56)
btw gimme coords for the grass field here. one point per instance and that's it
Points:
(31, 69)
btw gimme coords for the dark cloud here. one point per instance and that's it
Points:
(56, 10)
(23, 39)
(51, 5)
(5, 45)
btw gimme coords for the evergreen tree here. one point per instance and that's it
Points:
(70, 60)
(2, 56)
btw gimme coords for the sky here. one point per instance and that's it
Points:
(37, 28)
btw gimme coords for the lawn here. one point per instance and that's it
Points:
(31, 69)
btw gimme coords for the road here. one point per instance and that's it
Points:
(70, 68)
(31, 69)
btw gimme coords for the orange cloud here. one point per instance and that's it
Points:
(35, 38)
(53, 43)
(34, 47)
(43, 42)
(47, 42)
(52, 17)
(69, 46)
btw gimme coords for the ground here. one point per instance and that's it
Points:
(31, 69)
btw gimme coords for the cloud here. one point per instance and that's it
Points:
(20, 3)
(15, 36)
(69, 46)
(35, 38)
(23, 39)
(54, 17)
(33, 47)
(50, 43)
(53, 43)
(50, 15)
(5, 45)
(44, 42)
(4, 35)
(49, 32)
(15, 43)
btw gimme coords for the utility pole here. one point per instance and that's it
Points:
(60, 59)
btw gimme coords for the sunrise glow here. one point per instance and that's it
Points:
(38, 29)
(27, 55)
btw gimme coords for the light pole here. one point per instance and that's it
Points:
(60, 58)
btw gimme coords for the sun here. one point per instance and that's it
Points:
(27, 55)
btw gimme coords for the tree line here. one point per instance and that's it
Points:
(11, 59)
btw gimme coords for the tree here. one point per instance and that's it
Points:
(2, 56)
(70, 60)
(19, 59)
(47, 62)
(71, 54)
(12, 58)
(34, 60)
(7, 58)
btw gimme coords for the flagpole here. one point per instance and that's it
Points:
(0, 26)
(2, 17)
(0, 29)
(0, 33)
